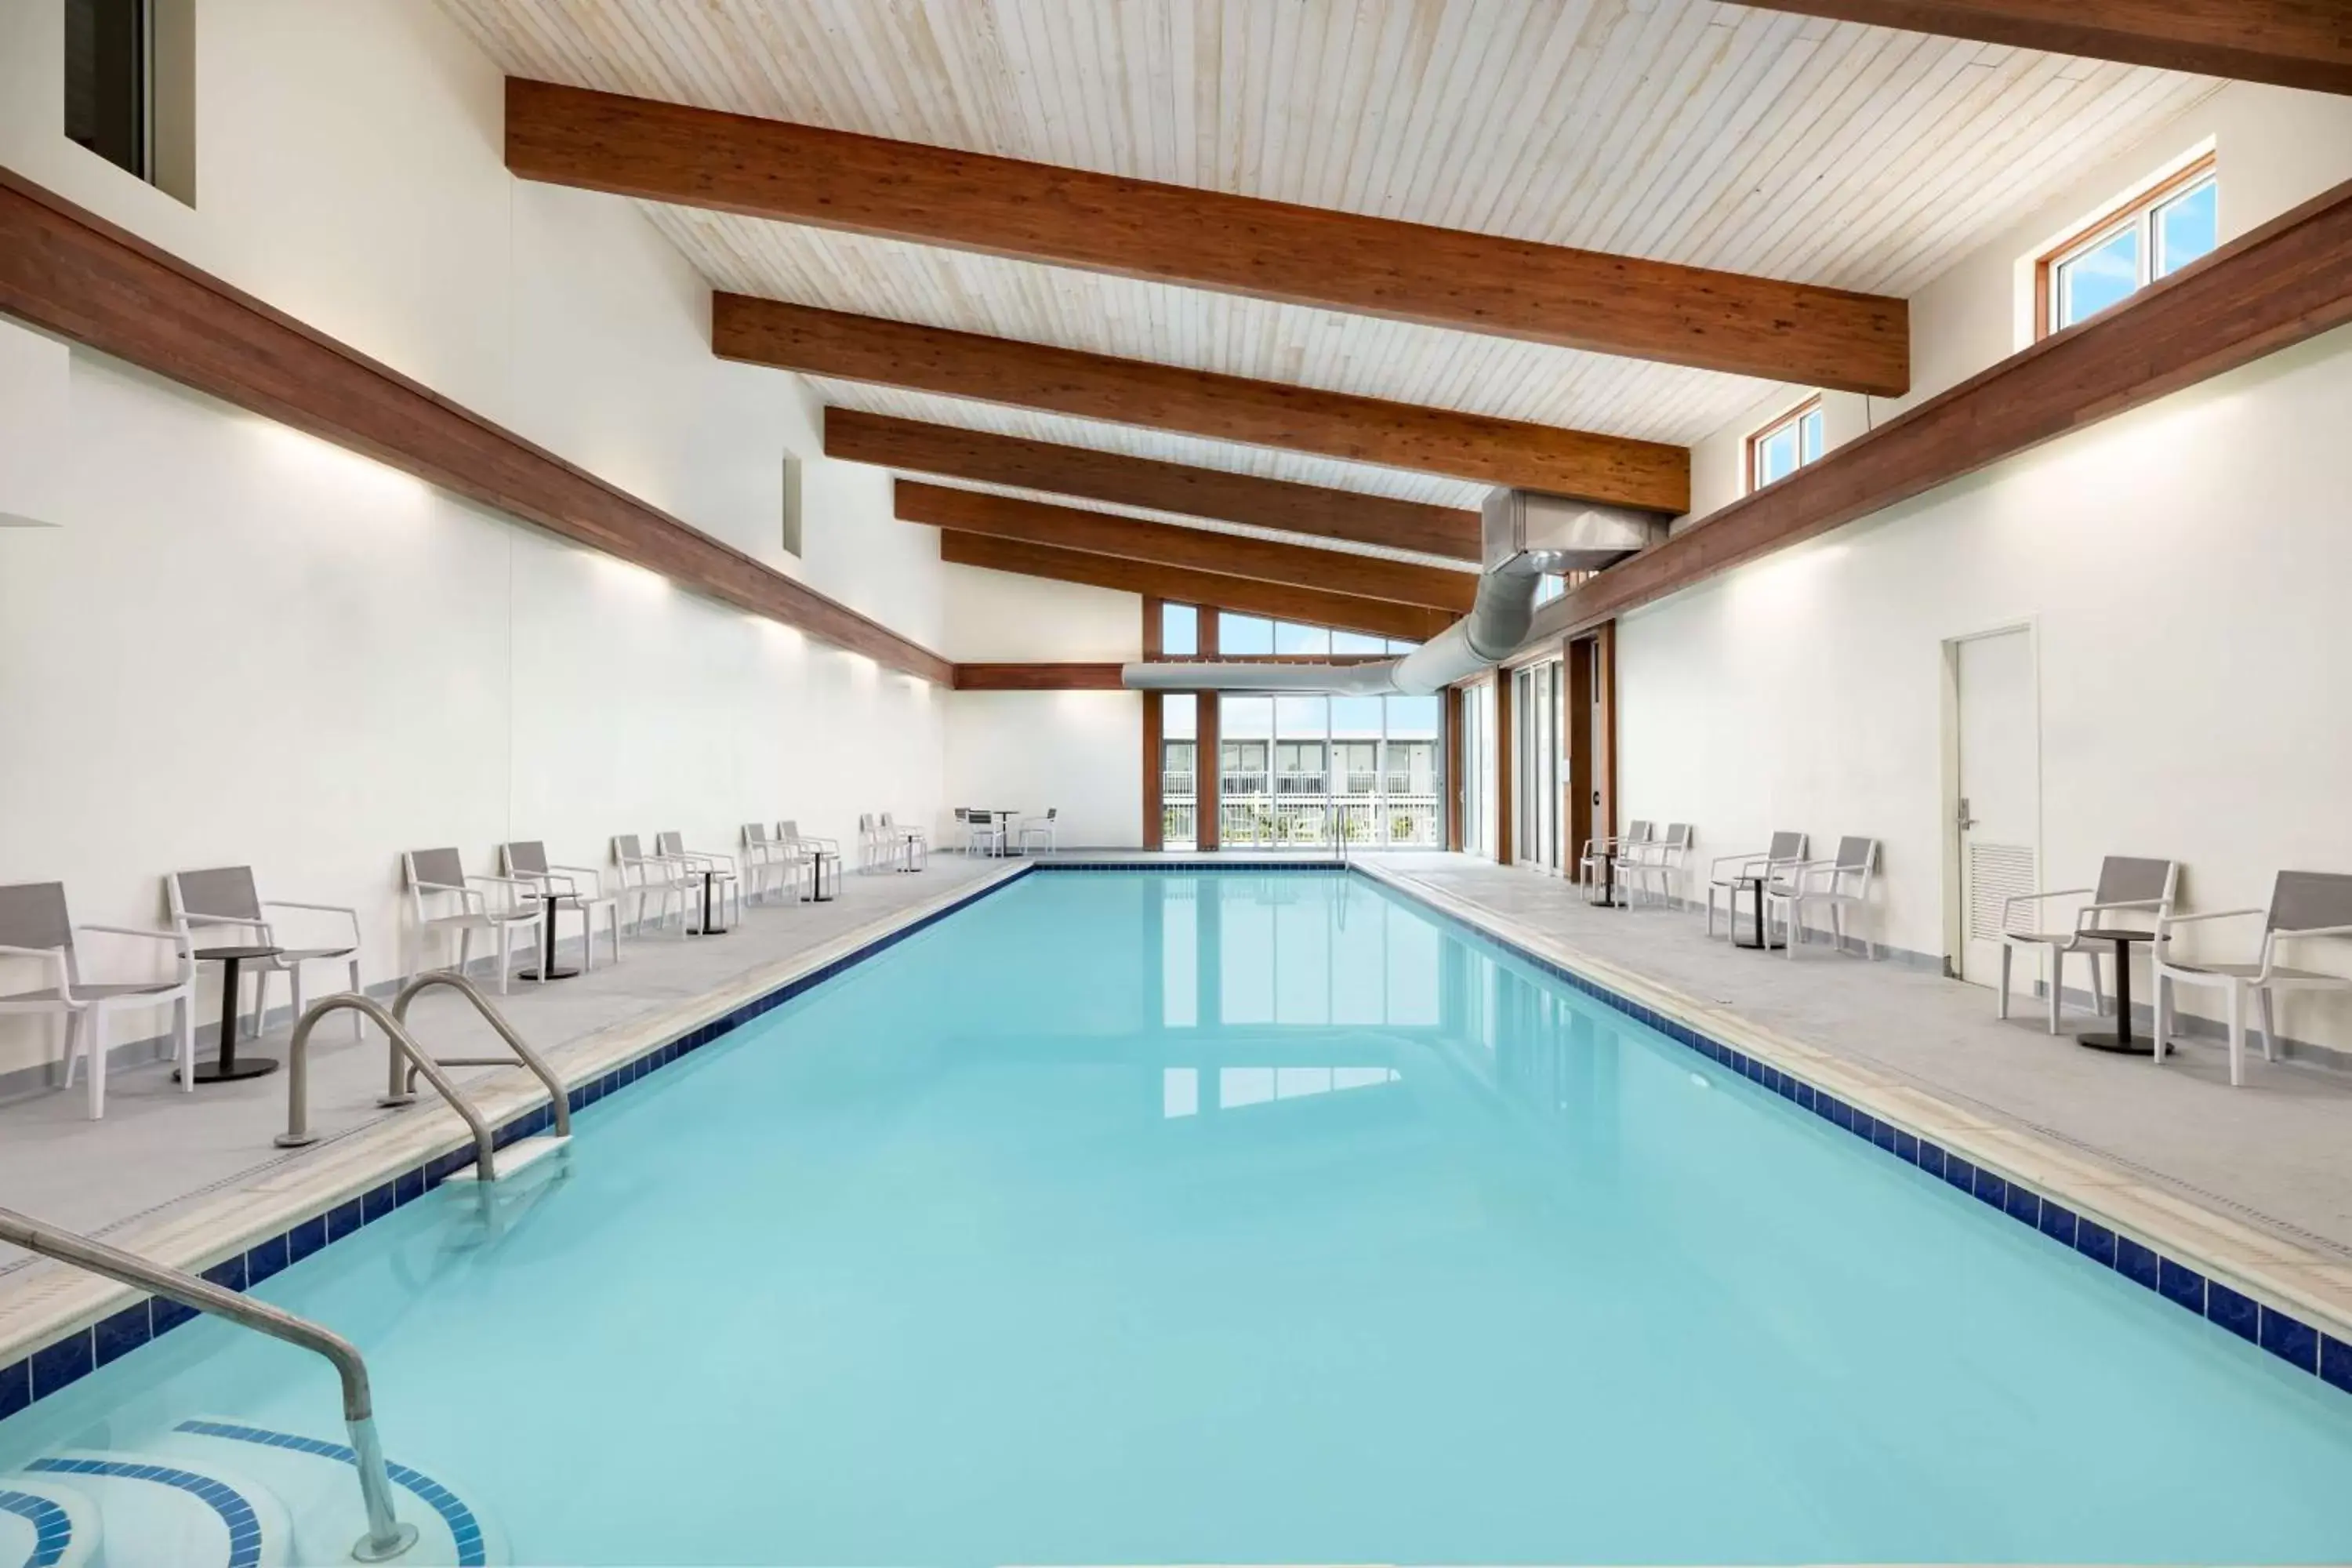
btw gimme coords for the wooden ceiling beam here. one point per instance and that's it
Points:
(2289, 280)
(73, 273)
(1245, 596)
(1236, 245)
(1193, 549)
(1611, 468)
(1039, 677)
(2291, 42)
(1312, 509)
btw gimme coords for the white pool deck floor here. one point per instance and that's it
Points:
(2270, 1153)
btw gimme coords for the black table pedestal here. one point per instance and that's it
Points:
(225, 1067)
(548, 900)
(2119, 1039)
(1755, 886)
(709, 878)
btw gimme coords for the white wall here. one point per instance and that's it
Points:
(2185, 566)
(1026, 750)
(2274, 150)
(239, 644)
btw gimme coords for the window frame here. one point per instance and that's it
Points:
(1795, 417)
(2137, 213)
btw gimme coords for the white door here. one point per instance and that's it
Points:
(1997, 820)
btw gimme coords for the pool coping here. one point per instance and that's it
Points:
(2288, 1300)
(58, 1324)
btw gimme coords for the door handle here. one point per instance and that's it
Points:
(1963, 820)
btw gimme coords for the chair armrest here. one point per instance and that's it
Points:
(595, 877)
(196, 920)
(181, 948)
(2213, 915)
(508, 881)
(171, 936)
(13, 952)
(2312, 930)
(464, 894)
(343, 910)
(2009, 904)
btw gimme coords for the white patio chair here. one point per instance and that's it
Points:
(526, 861)
(33, 923)
(723, 871)
(985, 832)
(1837, 885)
(2305, 905)
(805, 848)
(1652, 866)
(1596, 864)
(439, 877)
(876, 848)
(914, 842)
(768, 864)
(1045, 828)
(655, 879)
(2125, 882)
(1727, 874)
(226, 896)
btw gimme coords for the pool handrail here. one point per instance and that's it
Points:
(403, 1086)
(387, 1536)
(297, 1075)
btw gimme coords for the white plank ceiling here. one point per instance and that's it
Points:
(1682, 130)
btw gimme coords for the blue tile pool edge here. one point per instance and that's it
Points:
(67, 1358)
(2175, 1279)
(58, 1364)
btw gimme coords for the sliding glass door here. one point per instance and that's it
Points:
(1535, 713)
(1296, 772)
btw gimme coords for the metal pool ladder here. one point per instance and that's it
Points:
(387, 1536)
(409, 1060)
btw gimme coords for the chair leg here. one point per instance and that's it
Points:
(294, 979)
(74, 1041)
(465, 948)
(504, 933)
(2163, 1016)
(359, 1023)
(2057, 983)
(2269, 1024)
(2098, 992)
(261, 1002)
(184, 1018)
(96, 1037)
(2006, 952)
(2237, 1034)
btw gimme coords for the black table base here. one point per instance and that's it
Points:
(547, 902)
(709, 877)
(819, 862)
(225, 1067)
(2119, 1039)
(1762, 943)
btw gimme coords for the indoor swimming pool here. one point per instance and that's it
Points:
(1218, 1217)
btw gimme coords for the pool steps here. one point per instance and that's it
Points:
(219, 1493)
(517, 1157)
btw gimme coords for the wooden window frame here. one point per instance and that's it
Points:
(1793, 416)
(2137, 211)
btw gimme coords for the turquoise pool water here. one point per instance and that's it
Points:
(1151, 1218)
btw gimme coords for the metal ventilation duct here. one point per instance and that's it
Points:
(1524, 534)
